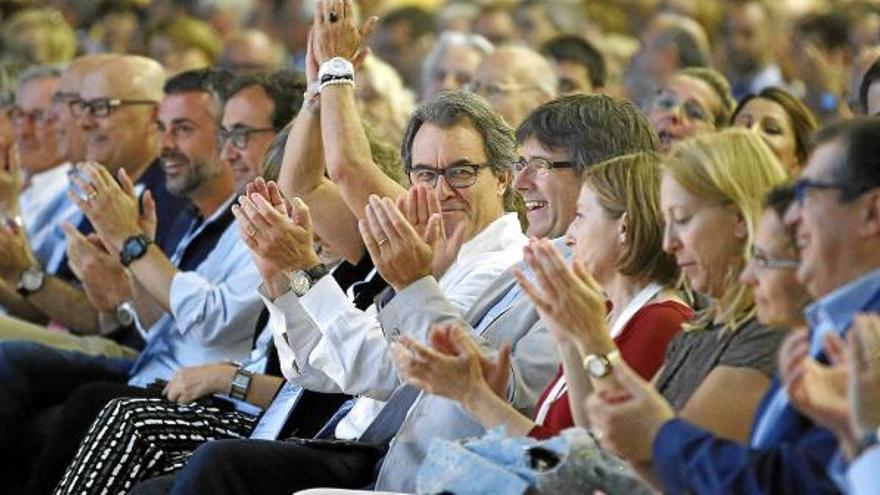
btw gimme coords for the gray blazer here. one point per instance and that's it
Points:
(534, 360)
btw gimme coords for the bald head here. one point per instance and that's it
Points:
(516, 80)
(252, 50)
(123, 134)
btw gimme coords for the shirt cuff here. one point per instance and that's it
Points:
(862, 473)
(672, 446)
(185, 297)
(323, 302)
(286, 313)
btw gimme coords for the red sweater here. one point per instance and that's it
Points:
(642, 344)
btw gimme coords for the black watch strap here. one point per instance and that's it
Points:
(134, 248)
(316, 273)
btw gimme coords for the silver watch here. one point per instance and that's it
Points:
(31, 281)
(126, 313)
(303, 280)
(336, 67)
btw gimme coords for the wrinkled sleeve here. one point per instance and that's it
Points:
(689, 459)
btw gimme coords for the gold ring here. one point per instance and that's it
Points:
(382, 241)
(93, 196)
(251, 232)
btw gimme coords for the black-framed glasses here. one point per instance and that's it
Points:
(102, 107)
(538, 164)
(39, 117)
(64, 97)
(763, 261)
(240, 136)
(457, 176)
(692, 109)
(802, 186)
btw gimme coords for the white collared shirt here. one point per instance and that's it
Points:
(326, 344)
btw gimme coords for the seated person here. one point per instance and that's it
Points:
(616, 237)
(786, 452)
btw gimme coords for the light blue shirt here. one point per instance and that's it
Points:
(832, 313)
(864, 475)
(214, 310)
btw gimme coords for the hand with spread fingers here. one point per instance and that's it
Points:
(864, 374)
(194, 382)
(569, 300)
(817, 390)
(627, 420)
(103, 277)
(17, 255)
(10, 180)
(335, 34)
(111, 207)
(454, 367)
(278, 233)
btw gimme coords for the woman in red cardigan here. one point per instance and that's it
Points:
(616, 241)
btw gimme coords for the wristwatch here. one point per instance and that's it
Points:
(303, 280)
(335, 68)
(31, 281)
(241, 383)
(599, 365)
(126, 313)
(134, 248)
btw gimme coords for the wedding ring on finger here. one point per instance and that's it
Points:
(381, 241)
(333, 17)
(251, 231)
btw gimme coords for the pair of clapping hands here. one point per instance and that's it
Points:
(406, 238)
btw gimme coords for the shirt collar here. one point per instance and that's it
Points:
(499, 234)
(838, 307)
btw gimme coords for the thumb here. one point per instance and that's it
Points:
(125, 182)
(835, 347)
(504, 356)
(71, 232)
(435, 233)
(301, 214)
(14, 161)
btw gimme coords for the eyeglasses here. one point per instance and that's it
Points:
(538, 164)
(102, 107)
(801, 186)
(240, 136)
(38, 117)
(763, 261)
(494, 90)
(457, 176)
(668, 102)
(64, 97)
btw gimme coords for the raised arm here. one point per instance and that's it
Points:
(346, 149)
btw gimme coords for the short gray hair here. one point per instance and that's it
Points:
(37, 72)
(451, 108)
(450, 39)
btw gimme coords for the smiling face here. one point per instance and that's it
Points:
(550, 196)
(595, 237)
(772, 123)
(826, 228)
(250, 108)
(477, 205)
(35, 131)
(685, 107)
(779, 297)
(707, 240)
(189, 153)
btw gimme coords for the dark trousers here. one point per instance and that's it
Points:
(269, 467)
(34, 379)
(69, 429)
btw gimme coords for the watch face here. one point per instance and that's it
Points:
(31, 280)
(597, 366)
(299, 283)
(133, 248)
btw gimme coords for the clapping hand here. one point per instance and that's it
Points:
(10, 180)
(113, 207)
(16, 252)
(627, 420)
(103, 277)
(279, 233)
(569, 300)
(454, 367)
(815, 389)
(864, 374)
(335, 34)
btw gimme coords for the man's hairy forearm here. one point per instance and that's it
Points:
(19, 306)
(67, 305)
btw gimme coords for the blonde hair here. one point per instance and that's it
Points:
(630, 184)
(732, 167)
(59, 40)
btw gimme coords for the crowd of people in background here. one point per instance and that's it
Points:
(439, 246)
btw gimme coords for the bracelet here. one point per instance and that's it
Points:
(338, 82)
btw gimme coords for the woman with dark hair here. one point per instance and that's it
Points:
(782, 121)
